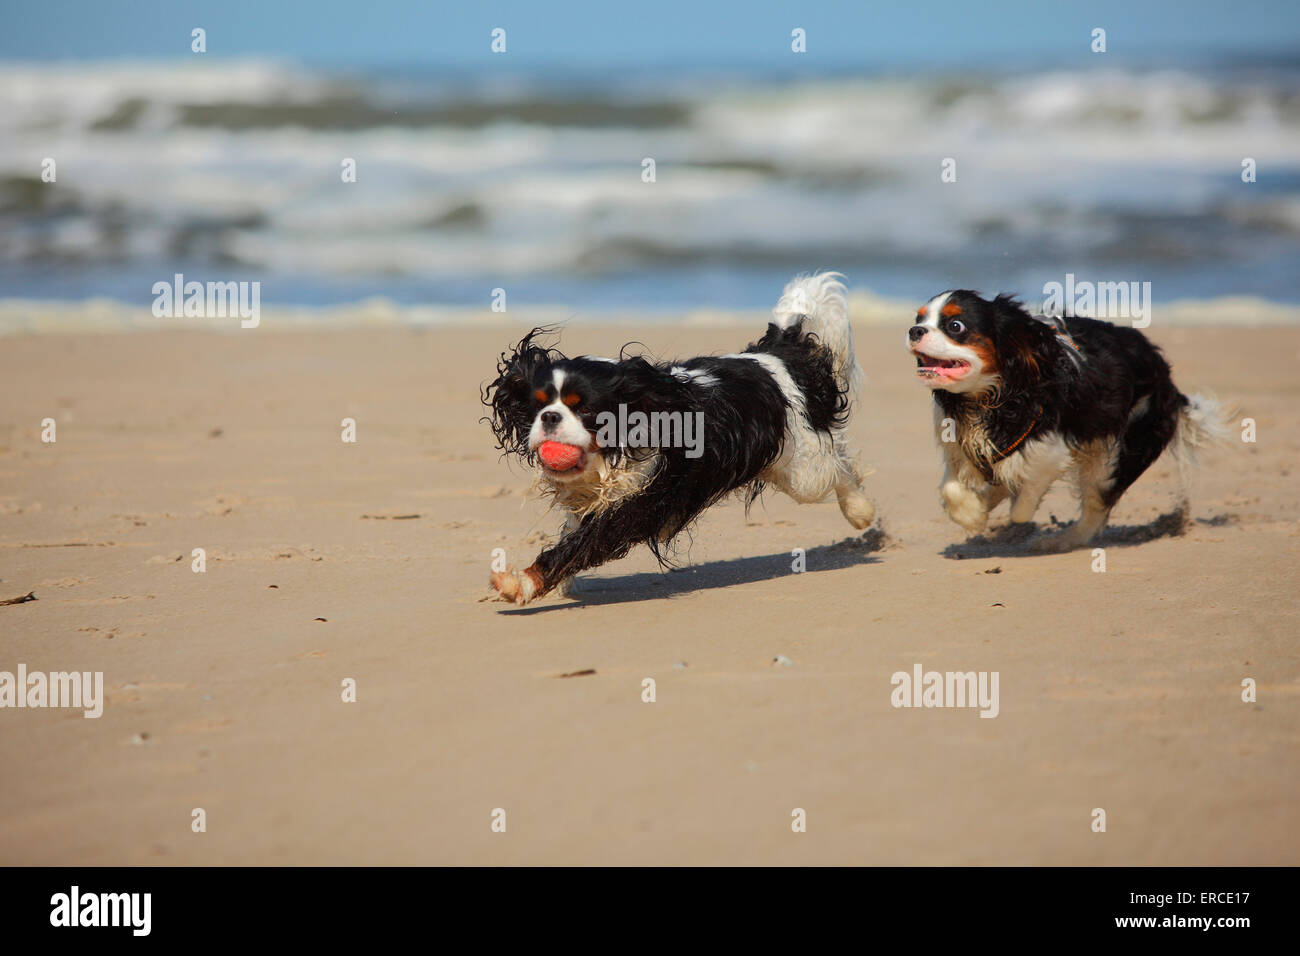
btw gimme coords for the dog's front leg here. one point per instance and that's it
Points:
(517, 586)
(965, 496)
(964, 505)
(963, 502)
(597, 539)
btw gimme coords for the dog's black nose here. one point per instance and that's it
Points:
(550, 419)
(917, 332)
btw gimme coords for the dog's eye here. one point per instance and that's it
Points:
(956, 327)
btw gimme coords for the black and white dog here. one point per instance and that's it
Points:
(700, 429)
(1029, 399)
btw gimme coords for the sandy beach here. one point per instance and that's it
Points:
(328, 561)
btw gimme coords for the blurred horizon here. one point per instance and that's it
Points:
(523, 170)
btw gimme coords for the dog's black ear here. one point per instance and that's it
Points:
(510, 397)
(639, 386)
(1027, 349)
(650, 388)
(642, 386)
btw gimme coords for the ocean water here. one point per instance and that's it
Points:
(534, 183)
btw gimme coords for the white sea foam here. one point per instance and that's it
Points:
(235, 167)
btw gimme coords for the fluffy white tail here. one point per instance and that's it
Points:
(1204, 423)
(820, 301)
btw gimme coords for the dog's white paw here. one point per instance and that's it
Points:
(858, 509)
(964, 506)
(514, 586)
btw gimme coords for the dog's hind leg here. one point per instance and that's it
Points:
(854, 503)
(1151, 427)
(819, 465)
(1030, 472)
(1107, 469)
(1094, 464)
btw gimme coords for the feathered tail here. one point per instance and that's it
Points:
(820, 302)
(1204, 422)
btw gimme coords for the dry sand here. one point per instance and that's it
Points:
(1119, 690)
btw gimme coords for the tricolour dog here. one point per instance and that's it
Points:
(1030, 399)
(634, 450)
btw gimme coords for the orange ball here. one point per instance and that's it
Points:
(558, 456)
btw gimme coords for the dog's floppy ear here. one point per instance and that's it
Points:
(1027, 349)
(509, 396)
(641, 386)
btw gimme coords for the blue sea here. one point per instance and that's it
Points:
(535, 182)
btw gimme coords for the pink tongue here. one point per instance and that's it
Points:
(558, 456)
(945, 371)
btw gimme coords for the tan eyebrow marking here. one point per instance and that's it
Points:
(951, 309)
(920, 313)
(572, 399)
(540, 394)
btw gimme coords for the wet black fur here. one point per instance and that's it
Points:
(744, 430)
(1085, 397)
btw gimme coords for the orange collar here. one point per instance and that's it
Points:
(987, 466)
(1012, 447)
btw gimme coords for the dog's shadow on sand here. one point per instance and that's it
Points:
(1017, 540)
(659, 585)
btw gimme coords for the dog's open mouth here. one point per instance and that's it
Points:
(927, 366)
(560, 458)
